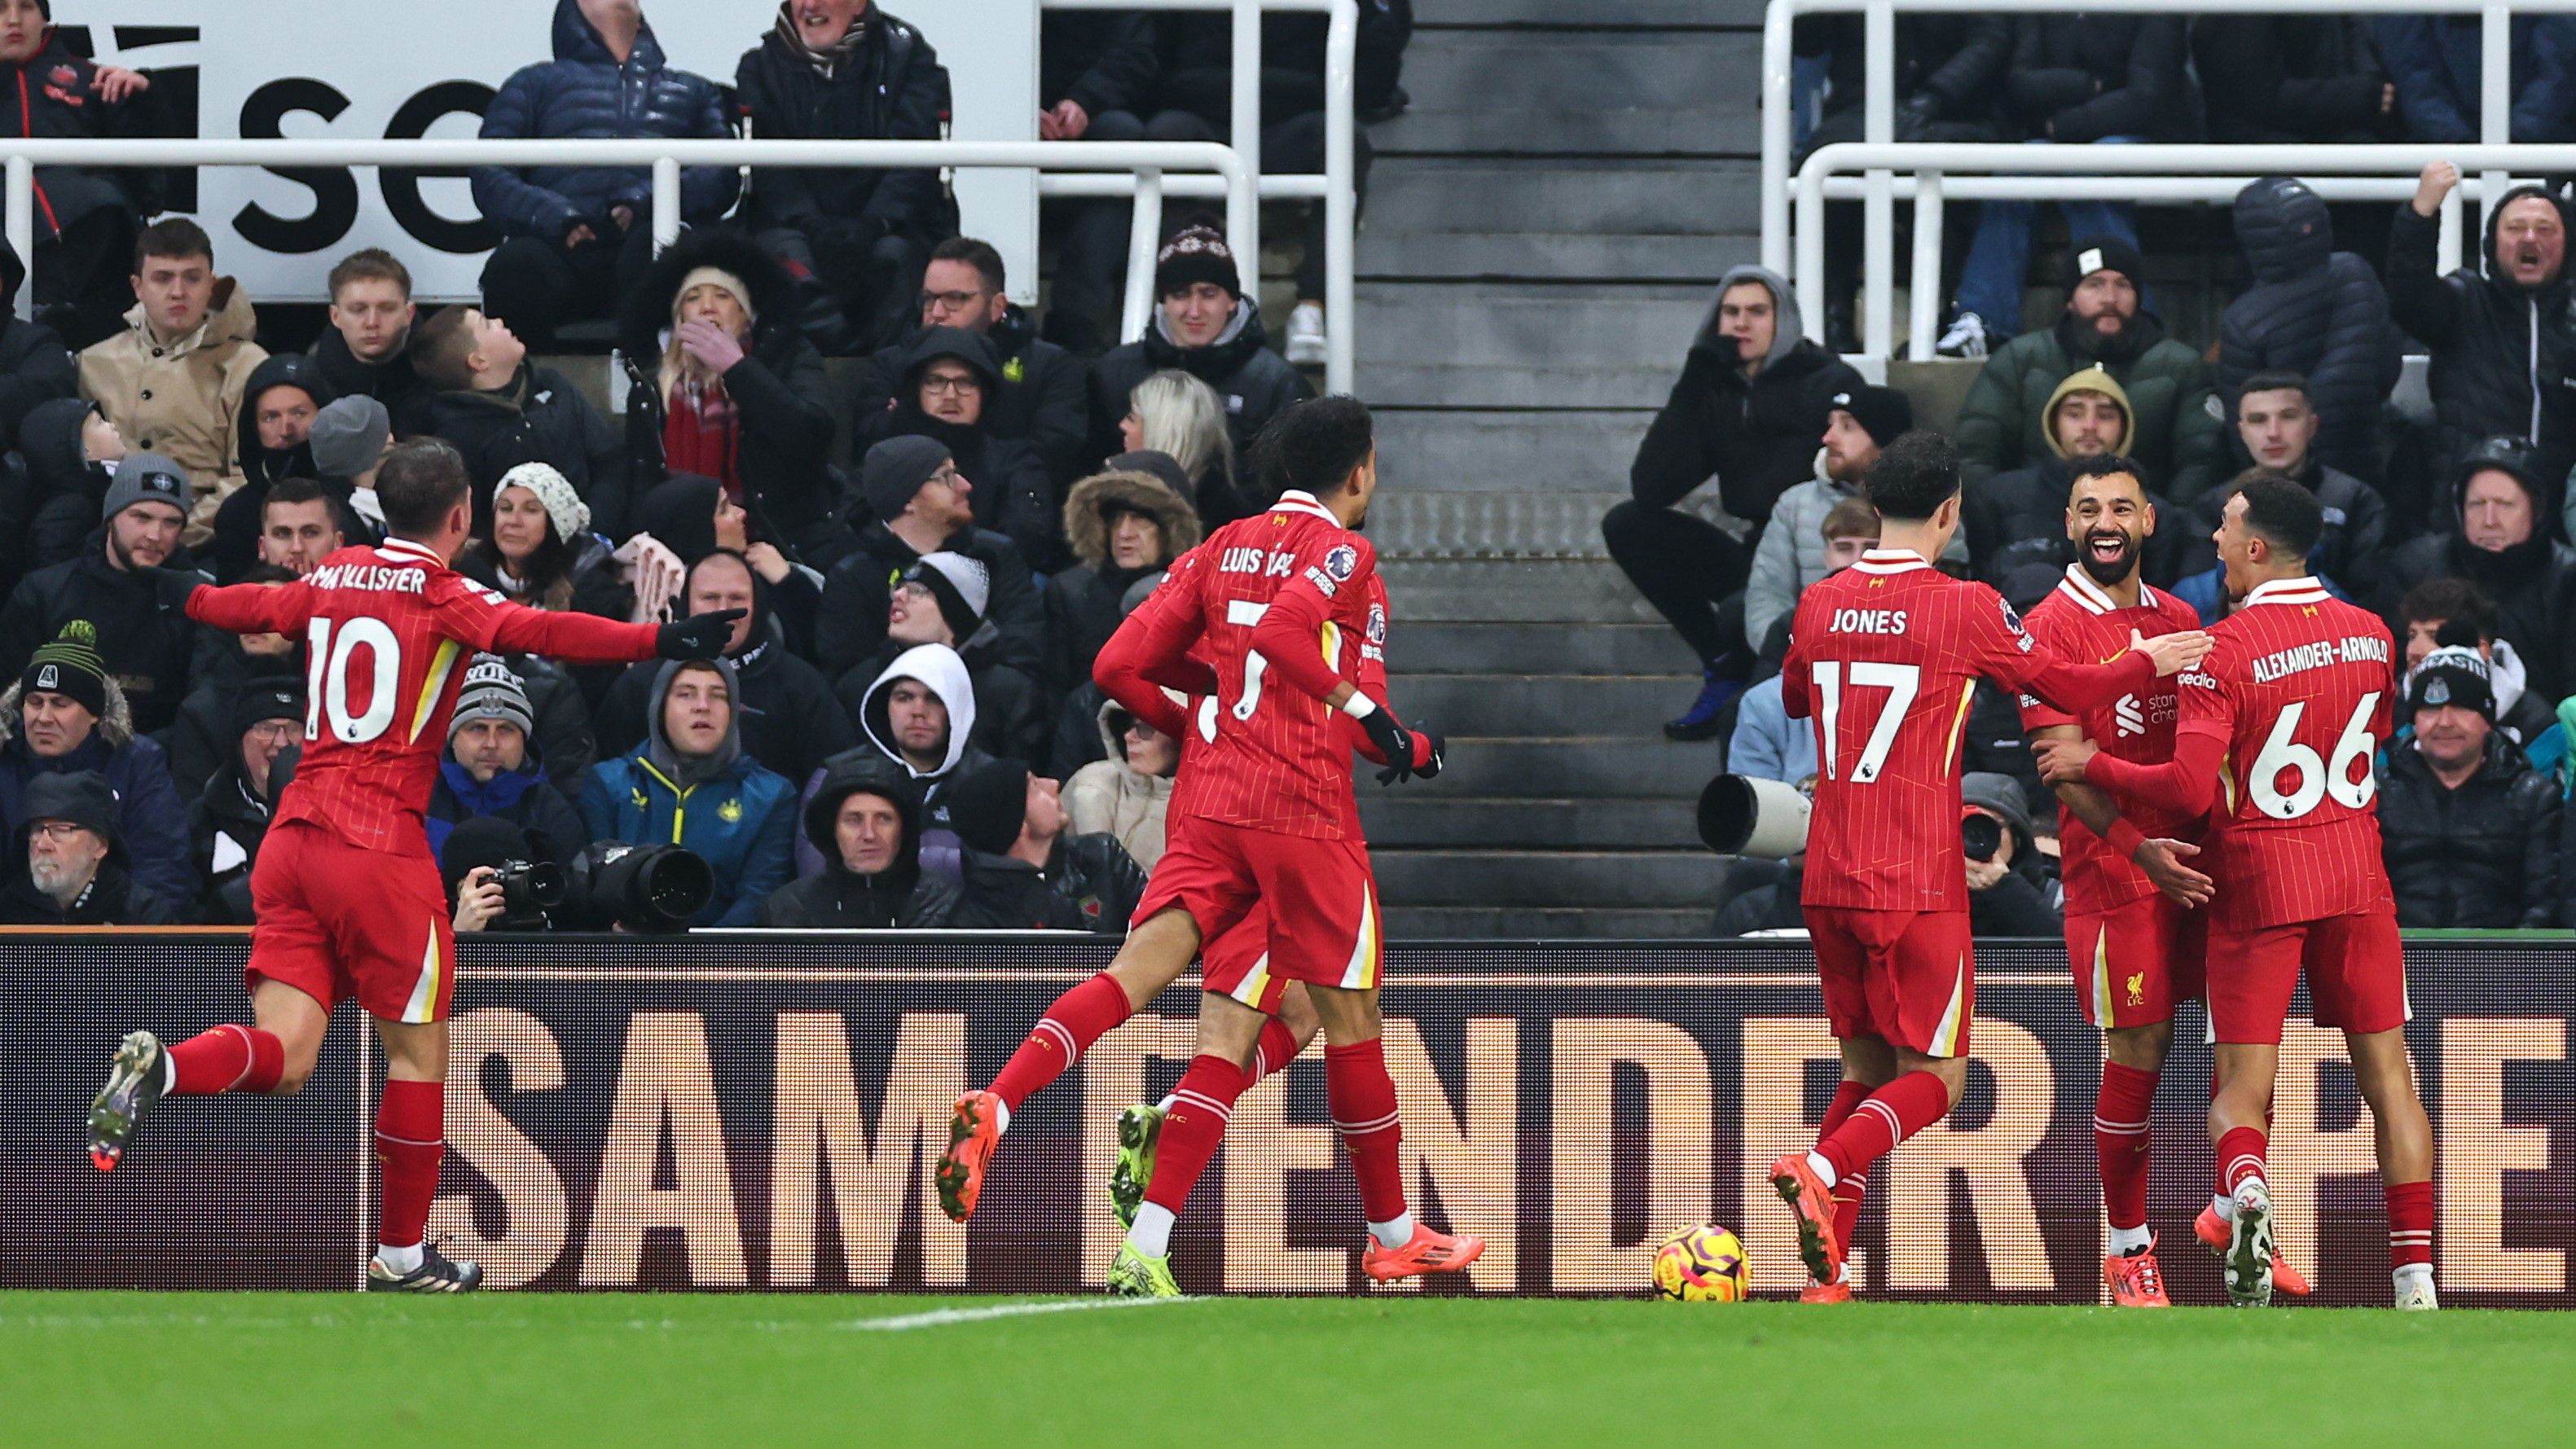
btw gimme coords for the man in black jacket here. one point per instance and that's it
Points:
(2502, 505)
(1024, 871)
(367, 348)
(84, 219)
(2468, 828)
(865, 821)
(914, 502)
(501, 410)
(75, 873)
(35, 367)
(2284, 80)
(1038, 396)
(2313, 311)
(227, 823)
(2500, 334)
(2278, 429)
(1205, 326)
(853, 239)
(944, 391)
(1752, 401)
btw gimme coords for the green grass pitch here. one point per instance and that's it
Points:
(204, 1370)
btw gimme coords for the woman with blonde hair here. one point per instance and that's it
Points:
(1180, 416)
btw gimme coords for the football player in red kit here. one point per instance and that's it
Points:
(1263, 817)
(1885, 657)
(2286, 717)
(347, 893)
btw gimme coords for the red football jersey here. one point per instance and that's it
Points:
(2301, 689)
(1885, 656)
(1270, 754)
(2082, 622)
(386, 631)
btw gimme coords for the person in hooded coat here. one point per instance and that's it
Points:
(2019, 517)
(847, 896)
(302, 392)
(2500, 333)
(931, 758)
(1042, 399)
(112, 896)
(2500, 539)
(1123, 526)
(718, 803)
(35, 367)
(2314, 311)
(721, 383)
(1127, 794)
(1235, 359)
(950, 405)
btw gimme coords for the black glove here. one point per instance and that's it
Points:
(1394, 742)
(171, 587)
(699, 636)
(1425, 763)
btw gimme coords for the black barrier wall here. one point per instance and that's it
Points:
(756, 1111)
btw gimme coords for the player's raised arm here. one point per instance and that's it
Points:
(241, 608)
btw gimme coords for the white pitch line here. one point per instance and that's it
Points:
(940, 1318)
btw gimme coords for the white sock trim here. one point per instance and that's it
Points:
(2224, 1206)
(1165, 1106)
(1001, 1116)
(2129, 1242)
(1824, 1169)
(1152, 1235)
(399, 1260)
(1395, 1232)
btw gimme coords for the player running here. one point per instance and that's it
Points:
(348, 896)
(2134, 936)
(2287, 715)
(1264, 818)
(1885, 657)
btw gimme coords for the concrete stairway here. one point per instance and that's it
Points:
(1544, 227)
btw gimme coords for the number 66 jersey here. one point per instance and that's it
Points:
(2299, 691)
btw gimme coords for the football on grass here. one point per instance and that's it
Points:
(1700, 1265)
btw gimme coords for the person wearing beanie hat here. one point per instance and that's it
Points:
(228, 820)
(2469, 830)
(893, 475)
(1024, 870)
(945, 394)
(64, 713)
(73, 863)
(1205, 325)
(495, 767)
(1860, 421)
(1196, 255)
(914, 500)
(349, 439)
(957, 587)
(2011, 890)
(691, 784)
(2177, 420)
(145, 479)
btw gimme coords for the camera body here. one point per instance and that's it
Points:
(1981, 835)
(530, 892)
(652, 890)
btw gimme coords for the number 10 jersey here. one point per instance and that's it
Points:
(2300, 690)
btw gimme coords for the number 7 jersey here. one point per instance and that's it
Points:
(2300, 690)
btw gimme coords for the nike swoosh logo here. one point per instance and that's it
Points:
(2115, 658)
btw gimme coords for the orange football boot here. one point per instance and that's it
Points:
(972, 1135)
(1428, 1251)
(2135, 1279)
(1838, 1291)
(1807, 1196)
(2211, 1229)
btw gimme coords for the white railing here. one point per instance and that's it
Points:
(2142, 173)
(1878, 115)
(1337, 185)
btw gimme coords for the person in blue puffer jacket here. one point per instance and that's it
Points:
(577, 239)
(691, 785)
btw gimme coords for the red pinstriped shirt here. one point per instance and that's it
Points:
(387, 630)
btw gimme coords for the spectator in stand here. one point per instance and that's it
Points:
(283, 398)
(943, 393)
(854, 239)
(2175, 427)
(172, 381)
(63, 443)
(576, 239)
(2435, 60)
(2012, 890)
(298, 528)
(1794, 548)
(941, 600)
(366, 351)
(1127, 794)
(2454, 613)
(2468, 828)
(1096, 76)
(1754, 396)
(916, 502)
(2500, 336)
(34, 367)
(110, 593)
(2018, 518)
(65, 715)
(227, 822)
(1037, 397)
(76, 862)
(2500, 541)
(198, 739)
(737, 393)
(1025, 871)
(1175, 416)
(1124, 526)
(2285, 80)
(2313, 311)
(865, 823)
(1767, 744)
(1204, 326)
(2075, 79)
(540, 551)
(1949, 87)
(690, 784)
(349, 441)
(495, 767)
(501, 410)
(469, 866)
(921, 715)
(1077, 739)
(84, 219)
(789, 720)
(2276, 427)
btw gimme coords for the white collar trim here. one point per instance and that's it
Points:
(2092, 598)
(1890, 561)
(1297, 500)
(2288, 591)
(406, 548)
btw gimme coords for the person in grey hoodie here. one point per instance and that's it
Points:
(1752, 400)
(1792, 553)
(690, 784)
(919, 714)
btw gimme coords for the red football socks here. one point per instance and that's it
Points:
(1886, 1117)
(410, 1139)
(1078, 1018)
(1201, 1104)
(2410, 1223)
(1276, 1049)
(2122, 1112)
(2240, 1156)
(230, 1058)
(1361, 1097)
(1848, 1191)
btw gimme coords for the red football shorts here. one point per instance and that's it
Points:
(1237, 964)
(1906, 977)
(1319, 895)
(2134, 961)
(2356, 977)
(337, 922)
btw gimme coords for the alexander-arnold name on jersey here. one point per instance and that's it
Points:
(2358, 649)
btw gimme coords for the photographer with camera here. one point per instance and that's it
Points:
(500, 879)
(2012, 887)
